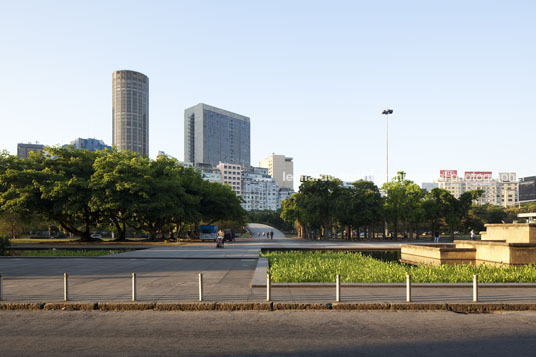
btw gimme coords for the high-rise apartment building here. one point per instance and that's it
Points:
(89, 144)
(281, 168)
(24, 149)
(213, 135)
(259, 190)
(130, 111)
(231, 174)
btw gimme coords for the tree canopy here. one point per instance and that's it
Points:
(80, 189)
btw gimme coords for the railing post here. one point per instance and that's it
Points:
(408, 288)
(338, 287)
(133, 286)
(200, 286)
(268, 287)
(65, 287)
(475, 288)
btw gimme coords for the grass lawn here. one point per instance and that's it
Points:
(64, 253)
(294, 267)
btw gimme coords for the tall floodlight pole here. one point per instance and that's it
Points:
(386, 112)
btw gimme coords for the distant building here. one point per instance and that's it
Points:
(213, 135)
(24, 149)
(502, 191)
(285, 193)
(281, 168)
(527, 189)
(259, 190)
(429, 186)
(130, 111)
(89, 144)
(231, 174)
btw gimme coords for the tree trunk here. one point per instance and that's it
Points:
(121, 234)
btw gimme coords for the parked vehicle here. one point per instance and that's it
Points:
(208, 232)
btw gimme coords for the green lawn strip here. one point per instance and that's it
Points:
(64, 253)
(301, 267)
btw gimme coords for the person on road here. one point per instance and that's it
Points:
(436, 237)
(271, 234)
(472, 234)
(258, 234)
(263, 234)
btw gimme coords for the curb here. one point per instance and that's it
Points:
(261, 283)
(269, 306)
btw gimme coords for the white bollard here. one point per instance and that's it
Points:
(268, 287)
(65, 287)
(408, 288)
(133, 286)
(338, 287)
(200, 286)
(475, 288)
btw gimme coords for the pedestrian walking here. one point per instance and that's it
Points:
(271, 234)
(472, 234)
(258, 234)
(263, 234)
(436, 237)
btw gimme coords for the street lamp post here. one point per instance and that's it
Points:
(386, 112)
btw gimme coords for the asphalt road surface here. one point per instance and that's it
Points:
(314, 333)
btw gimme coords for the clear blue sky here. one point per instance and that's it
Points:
(313, 76)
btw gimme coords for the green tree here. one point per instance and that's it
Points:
(117, 184)
(55, 184)
(403, 202)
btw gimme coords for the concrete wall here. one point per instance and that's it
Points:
(511, 233)
(436, 254)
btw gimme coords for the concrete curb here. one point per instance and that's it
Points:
(270, 306)
(259, 276)
(258, 283)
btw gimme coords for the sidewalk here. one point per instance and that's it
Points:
(170, 274)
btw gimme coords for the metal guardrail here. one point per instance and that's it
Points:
(338, 287)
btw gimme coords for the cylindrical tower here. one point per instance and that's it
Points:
(130, 111)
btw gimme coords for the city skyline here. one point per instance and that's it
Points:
(459, 77)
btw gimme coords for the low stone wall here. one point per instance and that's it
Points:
(511, 233)
(436, 254)
(496, 253)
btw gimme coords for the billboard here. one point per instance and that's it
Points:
(477, 175)
(448, 173)
(507, 176)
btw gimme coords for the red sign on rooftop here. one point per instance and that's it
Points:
(448, 173)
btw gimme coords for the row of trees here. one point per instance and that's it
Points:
(79, 190)
(325, 207)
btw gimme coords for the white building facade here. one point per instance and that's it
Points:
(260, 191)
(501, 191)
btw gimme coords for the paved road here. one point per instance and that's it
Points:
(317, 333)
